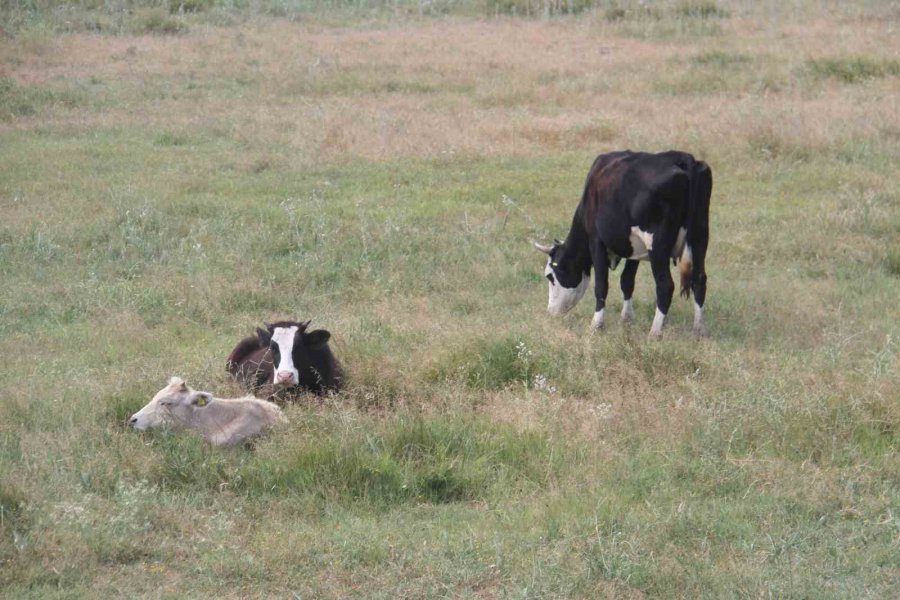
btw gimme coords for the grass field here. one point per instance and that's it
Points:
(171, 175)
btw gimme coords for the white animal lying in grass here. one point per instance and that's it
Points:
(221, 422)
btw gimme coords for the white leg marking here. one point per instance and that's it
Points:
(699, 325)
(658, 321)
(628, 311)
(597, 321)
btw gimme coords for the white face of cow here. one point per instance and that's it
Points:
(175, 406)
(563, 299)
(285, 372)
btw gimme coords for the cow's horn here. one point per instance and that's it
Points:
(542, 247)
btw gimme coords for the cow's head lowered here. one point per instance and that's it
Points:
(567, 281)
(289, 345)
(174, 406)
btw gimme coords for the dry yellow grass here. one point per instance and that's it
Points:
(498, 88)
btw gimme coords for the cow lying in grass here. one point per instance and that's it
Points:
(285, 356)
(221, 422)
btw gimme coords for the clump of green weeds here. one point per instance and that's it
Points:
(852, 69)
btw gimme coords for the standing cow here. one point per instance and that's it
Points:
(636, 206)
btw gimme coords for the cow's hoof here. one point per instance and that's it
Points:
(655, 334)
(700, 331)
(627, 312)
(597, 322)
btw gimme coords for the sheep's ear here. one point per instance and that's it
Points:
(316, 339)
(201, 399)
(178, 381)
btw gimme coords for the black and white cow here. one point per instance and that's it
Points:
(285, 356)
(636, 206)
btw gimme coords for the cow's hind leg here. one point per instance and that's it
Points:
(698, 240)
(665, 288)
(600, 259)
(627, 284)
(698, 286)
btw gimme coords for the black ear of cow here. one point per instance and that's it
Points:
(264, 336)
(316, 339)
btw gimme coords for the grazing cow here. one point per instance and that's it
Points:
(636, 206)
(285, 356)
(221, 422)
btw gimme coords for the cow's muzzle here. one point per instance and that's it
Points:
(284, 378)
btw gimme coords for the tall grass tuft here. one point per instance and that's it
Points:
(25, 101)
(13, 504)
(486, 364)
(892, 261)
(701, 9)
(853, 69)
(413, 459)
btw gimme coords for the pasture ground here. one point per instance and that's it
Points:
(168, 180)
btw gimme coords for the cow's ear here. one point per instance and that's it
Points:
(317, 339)
(201, 399)
(264, 336)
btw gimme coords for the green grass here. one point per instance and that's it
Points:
(416, 459)
(853, 69)
(150, 217)
(639, 511)
(18, 101)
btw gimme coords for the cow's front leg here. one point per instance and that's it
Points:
(665, 287)
(601, 282)
(627, 284)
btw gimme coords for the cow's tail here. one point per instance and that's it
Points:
(699, 192)
(686, 269)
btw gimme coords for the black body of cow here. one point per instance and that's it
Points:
(254, 360)
(659, 194)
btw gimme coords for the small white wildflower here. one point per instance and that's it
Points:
(522, 351)
(68, 512)
(541, 383)
(602, 411)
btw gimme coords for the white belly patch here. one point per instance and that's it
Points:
(679, 242)
(641, 244)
